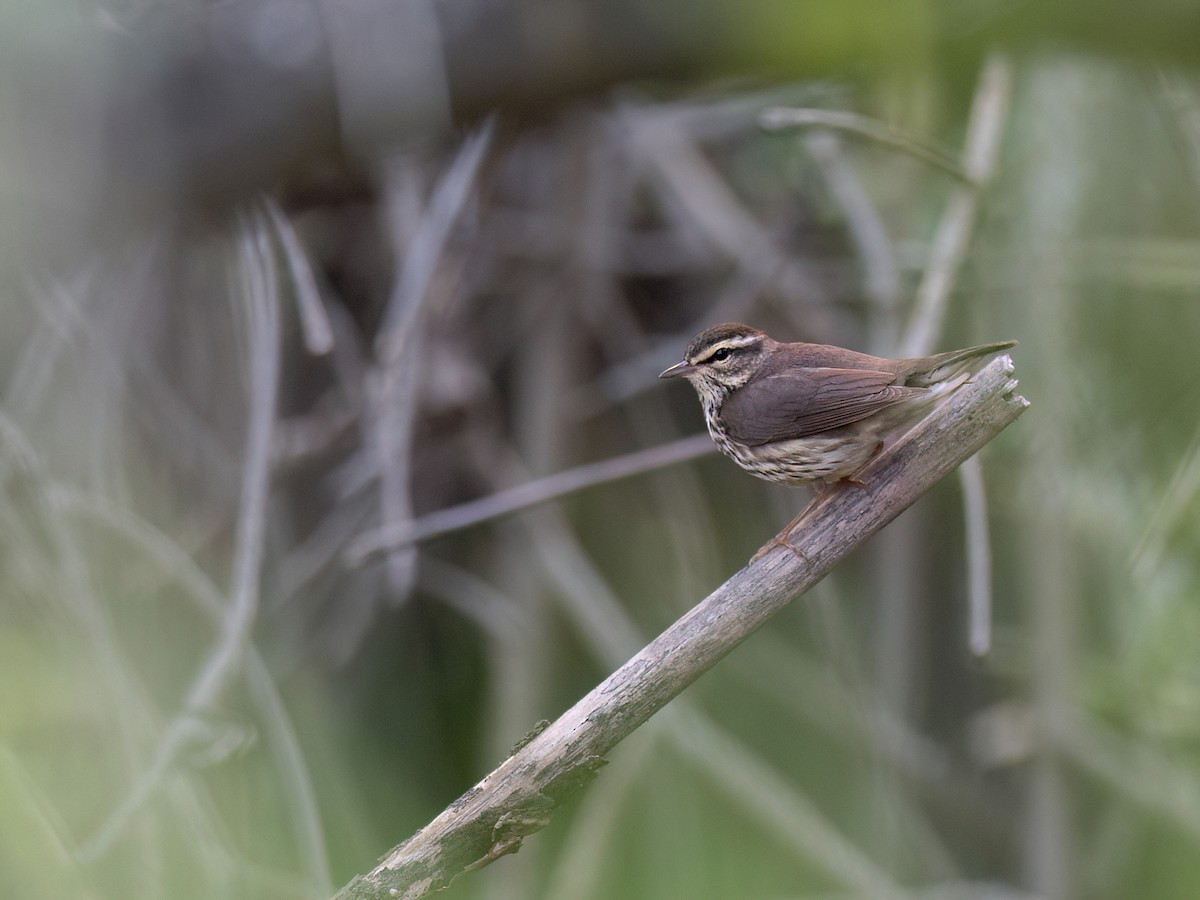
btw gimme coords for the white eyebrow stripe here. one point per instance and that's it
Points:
(733, 343)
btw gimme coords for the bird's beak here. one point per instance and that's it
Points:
(680, 368)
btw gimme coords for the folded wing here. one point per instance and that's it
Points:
(804, 401)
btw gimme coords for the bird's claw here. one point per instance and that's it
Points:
(780, 540)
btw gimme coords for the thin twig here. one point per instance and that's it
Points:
(631, 377)
(776, 118)
(953, 236)
(865, 226)
(979, 557)
(1179, 497)
(790, 816)
(860, 716)
(396, 409)
(261, 301)
(68, 322)
(948, 890)
(323, 546)
(423, 252)
(1151, 780)
(1054, 199)
(694, 185)
(532, 493)
(946, 257)
(517, 799)
(398, 363)
(38, 528)
(181, 567)
(59, 309)
(1177, 501)
(497, 614)
(260, 297)
(314, 321)
(1180, 94)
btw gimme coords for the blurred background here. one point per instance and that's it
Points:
(316, 315)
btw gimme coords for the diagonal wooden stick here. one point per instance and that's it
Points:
(518, 797)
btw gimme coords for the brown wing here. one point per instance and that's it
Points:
(804, 401)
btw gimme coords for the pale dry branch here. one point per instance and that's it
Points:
(531, 493)
(518, 797)
(750, 781)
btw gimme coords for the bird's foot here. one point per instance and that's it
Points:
(780, 540)
(783, 539)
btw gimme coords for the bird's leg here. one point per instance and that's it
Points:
(819, 489)
(854, 479)
(782, 538)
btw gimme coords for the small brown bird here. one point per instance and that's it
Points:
(810, 413)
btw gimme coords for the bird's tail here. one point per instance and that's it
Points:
(943, 366)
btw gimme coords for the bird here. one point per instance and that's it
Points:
(811, 414)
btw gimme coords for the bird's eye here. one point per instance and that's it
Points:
(721, 355)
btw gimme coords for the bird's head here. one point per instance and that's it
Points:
(721, 359)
